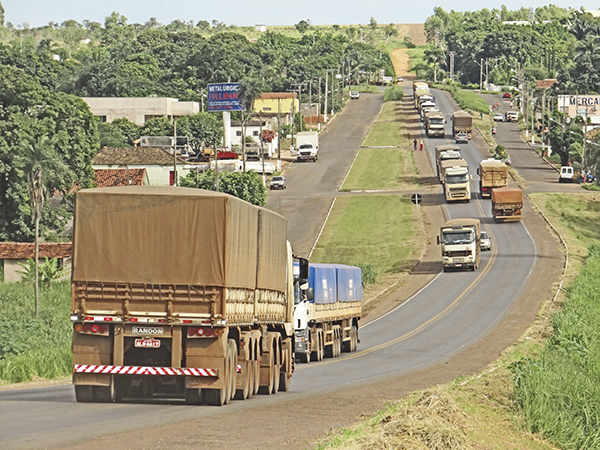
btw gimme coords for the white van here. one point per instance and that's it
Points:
(511, 116)
(566, 174)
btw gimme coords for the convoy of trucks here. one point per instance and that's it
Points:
(493, 174)
(180, 292)
(446, 151)
(307, 143)
(507, 204)
(462, 122)
(327, 311)
(460, 243)
(420, 88)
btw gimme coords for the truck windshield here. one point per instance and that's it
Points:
(457, 237)
(455, 179)
(436, 121)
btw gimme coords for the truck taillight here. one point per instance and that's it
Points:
(91, 328)
(204, 331)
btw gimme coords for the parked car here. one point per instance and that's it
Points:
(566, 174)
(277, 182)
(498, 117)
(486, 242)
(461, 138)
(506, 95)
(354, 95)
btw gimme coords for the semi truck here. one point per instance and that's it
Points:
(307, 143)
(434, 124)
(453, 152)
(456, 178)
(182, 293)
(507, 204)
(327, 311)
(460, 241)
(493, 174)
(462, 122)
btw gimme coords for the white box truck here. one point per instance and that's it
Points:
(307, 143)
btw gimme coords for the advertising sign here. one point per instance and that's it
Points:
(224, 97)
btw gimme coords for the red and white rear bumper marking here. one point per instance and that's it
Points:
(141, 370)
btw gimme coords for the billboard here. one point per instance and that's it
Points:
(224, 97)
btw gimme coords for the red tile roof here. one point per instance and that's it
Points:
(120, 177)
(24, 250)
(546, 83)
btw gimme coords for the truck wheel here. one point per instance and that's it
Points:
(354, 334)
(84, 393)
(232, 357)
(193, 396)
(304, 358)
(242, 394)
(214, 397)
(284, 382)
(105, 394)
(256, 376)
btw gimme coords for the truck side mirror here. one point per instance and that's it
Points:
(438, 240)
(478, 171)
(303, 265)
(310, 294)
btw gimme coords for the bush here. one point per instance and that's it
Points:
(393, 93)
(369, 273)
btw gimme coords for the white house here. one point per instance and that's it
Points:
(253, 130)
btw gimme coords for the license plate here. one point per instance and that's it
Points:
(148, 331)
(147, 343)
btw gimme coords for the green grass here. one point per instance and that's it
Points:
(386, 168)
(33, 348)
(375, 229)
(388, 112)
(466, 99)
(385, 134)
(366, 88)
(417, 58)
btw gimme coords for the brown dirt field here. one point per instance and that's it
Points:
(298, 423)
(400, 60)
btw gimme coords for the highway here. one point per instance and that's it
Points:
(454, 311)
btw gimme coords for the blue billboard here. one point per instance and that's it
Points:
(224, 97)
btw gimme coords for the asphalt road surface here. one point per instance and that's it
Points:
(452, 313)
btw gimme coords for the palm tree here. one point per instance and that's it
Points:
(436, 56)
(41, 163)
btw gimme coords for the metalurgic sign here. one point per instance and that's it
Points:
(224, 97)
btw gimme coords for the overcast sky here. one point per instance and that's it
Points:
(251, 12)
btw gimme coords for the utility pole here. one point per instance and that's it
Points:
(326, 90)
(319, 107)
(452, 66)
(480, 75)
(174, 153)
(278, 134)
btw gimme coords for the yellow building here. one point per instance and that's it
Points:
(277, 103)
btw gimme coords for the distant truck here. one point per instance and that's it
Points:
(434, 124)
(159, 309)
(307, 143)
(456, 180)
(462, 122)
(420, 88)
(446, 158)
(460, 241)
(327, 311)
(493, 174)
(507, 204)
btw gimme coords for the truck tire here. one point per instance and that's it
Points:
(84, 393)
(105, 394)
(317, 353)
(219, 397)
(193, 396)
(284, 382)
(304, 358)
(354, 338)
(256, 376)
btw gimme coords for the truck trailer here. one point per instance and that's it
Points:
(460, 240)
(507, 204)
(462, 122)
(307, 143)
(179, 292)
(420, 88)
(327, 311)
(492, 174)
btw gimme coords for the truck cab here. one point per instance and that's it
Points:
(460, 241)
(456, 183)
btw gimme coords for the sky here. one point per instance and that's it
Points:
(37, 13)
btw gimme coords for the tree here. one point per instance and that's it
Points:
(302, 26)
(245, 185)
(435, 56)
(373, 23)
(561, 140)
(40, 162)
(390, 30)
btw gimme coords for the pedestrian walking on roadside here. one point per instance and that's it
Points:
(421, 144)
(415, 145)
